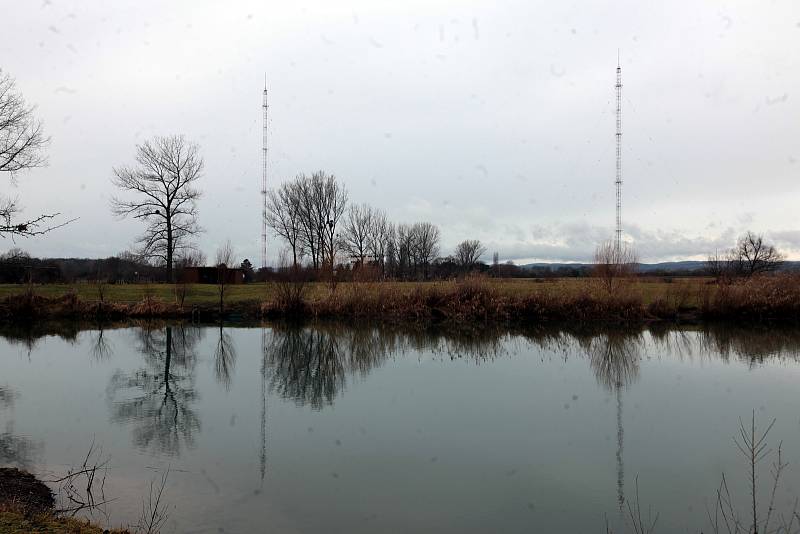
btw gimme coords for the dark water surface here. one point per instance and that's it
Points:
(336, 428)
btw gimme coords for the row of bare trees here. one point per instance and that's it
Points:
(306, 212)
(311, 214)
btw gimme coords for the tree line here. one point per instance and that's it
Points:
(311, 214)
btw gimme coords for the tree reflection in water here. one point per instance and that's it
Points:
(224, 358)
(306, 364)
(614, 358)
(753, 345)
(17, 451)
(101, 346)
(156, 400)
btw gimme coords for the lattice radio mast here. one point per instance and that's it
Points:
(618, 181)
(264, 182)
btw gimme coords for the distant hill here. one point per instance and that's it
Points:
(666, 266)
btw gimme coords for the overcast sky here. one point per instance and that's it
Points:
(492, 119)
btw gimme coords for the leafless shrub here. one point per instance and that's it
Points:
(76, 489)
(612, 263)
(756, 298)
(154, 512)
(753, 445)
(641, 526)
(101, 286)
(290, 289)
(181, 290)
(225, 257)
(717, 265)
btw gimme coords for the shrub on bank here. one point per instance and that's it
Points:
(757, 298)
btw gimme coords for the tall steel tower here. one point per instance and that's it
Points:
(618, 181)
(264, 182)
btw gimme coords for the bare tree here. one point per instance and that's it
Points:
(752, 256)
(426, 244)
(331, 204)
(283, 216)
(163, 183)
(224, 258)
(405, 245)
(225, 255)
(380, 236)
(356, 232)
(468, 253)
(22, 147)
(304, 199)
(391, 261)
(321, 201)
(612, 262)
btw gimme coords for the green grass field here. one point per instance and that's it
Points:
(649, 289)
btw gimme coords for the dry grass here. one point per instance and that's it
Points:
(200, 294)
(757, 298)
(474, 299)
(14, 520)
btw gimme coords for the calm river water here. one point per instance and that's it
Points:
(336, 428)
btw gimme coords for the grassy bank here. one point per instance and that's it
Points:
(473, 299)
(15, 520)
(207, 294)
(27, 507)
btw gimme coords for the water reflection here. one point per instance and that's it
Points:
(7, 396)
(224, 358)
(752, 345)
(311, 364)
(614, 358)
(154, 401)
(101, 346)
(157, 400)
(307, 365)
(28, 334)
(15, 450)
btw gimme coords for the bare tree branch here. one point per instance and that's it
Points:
(22, 139)
(22, 147)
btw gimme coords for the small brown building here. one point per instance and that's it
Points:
(210, 275)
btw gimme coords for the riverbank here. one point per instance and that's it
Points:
(27, 507)
(474, 300)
